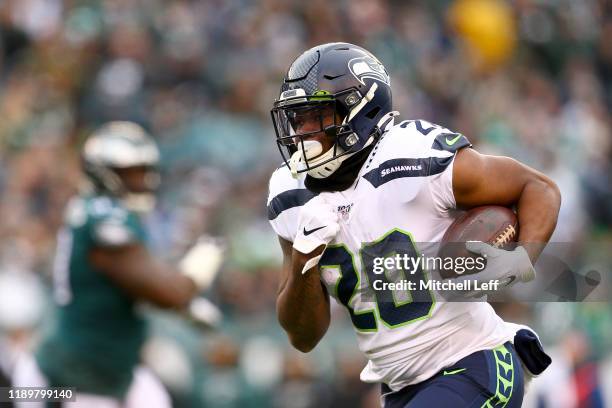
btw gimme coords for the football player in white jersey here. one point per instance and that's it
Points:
(357, 187)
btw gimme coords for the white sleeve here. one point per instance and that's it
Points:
(285, 198)
(285, 225)
(441, 187)
(441, 184)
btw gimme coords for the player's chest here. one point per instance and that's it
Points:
(367, 213)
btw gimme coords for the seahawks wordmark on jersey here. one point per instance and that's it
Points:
(402, 196)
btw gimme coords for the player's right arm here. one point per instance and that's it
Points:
(132, 268)
(118, 251)
(304, 223)
(302, 304)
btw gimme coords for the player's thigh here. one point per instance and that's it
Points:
(147, 390)
(449, 394)
(26, 373)
(83, 400)
(487, 378)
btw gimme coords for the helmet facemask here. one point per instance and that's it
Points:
(299, 148)
(139, 184)
(120, 159)
(113, 181)
(343, 78)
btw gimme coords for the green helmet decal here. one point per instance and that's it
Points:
(321, 95)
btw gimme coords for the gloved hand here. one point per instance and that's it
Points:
(203, 313)
(507, 267)
(317, 225)
(202, 262)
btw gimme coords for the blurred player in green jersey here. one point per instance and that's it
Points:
(103, 269)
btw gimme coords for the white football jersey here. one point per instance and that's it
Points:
(402, 198)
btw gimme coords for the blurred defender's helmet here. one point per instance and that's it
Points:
(112, 150)
(341, 77)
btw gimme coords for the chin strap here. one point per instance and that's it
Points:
(364, 101)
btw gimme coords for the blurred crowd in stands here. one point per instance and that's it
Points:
(531, 79)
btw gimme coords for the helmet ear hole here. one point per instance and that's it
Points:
(341, 112)
(372, 114)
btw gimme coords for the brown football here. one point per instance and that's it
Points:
(492, 224)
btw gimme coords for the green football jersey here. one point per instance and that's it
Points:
(96, 342)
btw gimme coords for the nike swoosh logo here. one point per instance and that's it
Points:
(454, 371)
(308, 232)
(452, 141)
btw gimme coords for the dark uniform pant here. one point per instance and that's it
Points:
(489, 378)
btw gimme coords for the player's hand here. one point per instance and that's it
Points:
(203, 313)
(202, 262)
(317, 226)
(506, 267)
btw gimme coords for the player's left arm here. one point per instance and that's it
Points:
(480, 179)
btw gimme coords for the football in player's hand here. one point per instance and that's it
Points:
(495, 225)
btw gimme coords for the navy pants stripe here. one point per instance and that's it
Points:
(489, 378)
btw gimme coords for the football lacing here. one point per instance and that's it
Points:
(505, 237)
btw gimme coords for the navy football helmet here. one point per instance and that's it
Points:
(338, 77)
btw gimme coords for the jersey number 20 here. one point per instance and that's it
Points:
(385, 307)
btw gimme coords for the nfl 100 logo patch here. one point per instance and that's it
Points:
(344, 210)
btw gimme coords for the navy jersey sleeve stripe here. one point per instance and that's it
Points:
(400, 168)
(287, 200)
(450, 142)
